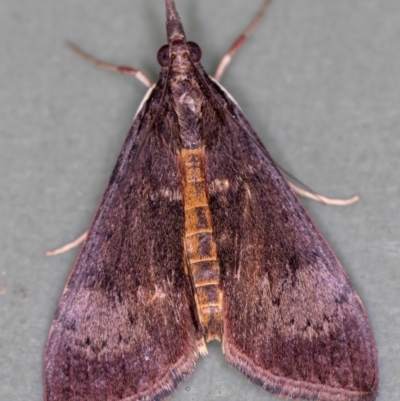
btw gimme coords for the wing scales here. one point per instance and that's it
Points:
(125, 327)
(292, 321)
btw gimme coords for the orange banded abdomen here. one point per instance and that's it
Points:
(200, 247)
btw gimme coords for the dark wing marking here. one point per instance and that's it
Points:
(125, 327)
(292, 321)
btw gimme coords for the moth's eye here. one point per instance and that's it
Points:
(163, 56)
(195, 51)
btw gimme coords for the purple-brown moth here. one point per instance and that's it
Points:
(199, 237)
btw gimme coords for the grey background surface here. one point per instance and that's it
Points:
(319, 81)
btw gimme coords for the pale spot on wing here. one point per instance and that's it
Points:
(248, 191)
(148, 296)
(158, 294)
(168, 193)
(219, 185)
(171, 194)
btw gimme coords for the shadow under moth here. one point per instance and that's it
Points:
(198, 237)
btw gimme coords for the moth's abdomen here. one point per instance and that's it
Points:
(200, 247)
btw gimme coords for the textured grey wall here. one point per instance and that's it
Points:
(320, 82)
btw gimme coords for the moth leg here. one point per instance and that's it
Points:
(322, 199)
(239, 42)
(69, 246)
(122, 69)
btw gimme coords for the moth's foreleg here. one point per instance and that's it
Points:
(239, 42)
(80, 240)
(121, 69)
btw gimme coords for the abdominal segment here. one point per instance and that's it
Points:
(200, 247)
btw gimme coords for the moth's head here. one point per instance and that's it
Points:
(178, 54)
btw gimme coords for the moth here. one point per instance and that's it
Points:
(198, 237)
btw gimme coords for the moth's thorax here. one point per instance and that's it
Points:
(188, 99)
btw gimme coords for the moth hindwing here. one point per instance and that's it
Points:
(199, 237)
